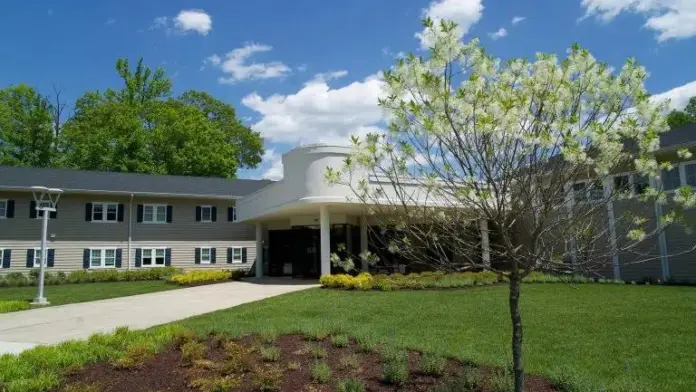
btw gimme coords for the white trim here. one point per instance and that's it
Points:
(4, 210)
(154, 213)
(105, 205)
(127, 193)
(102, 257)
(241, 255)
(2, 258)
(36, 251)
(210, 255)
(210, 219)
(153, 257)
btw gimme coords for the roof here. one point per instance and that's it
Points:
(69, 180)
(678, 137)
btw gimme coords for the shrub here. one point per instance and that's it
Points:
(192, 350)
(184, 337)
(237, 358)
(320, 372)
(217, 384)
(317, 333)
(134, 356)
(394, 372)
(267, 379)
(268, 336)
(368, 343)
(17, 279)
(340, 340)
(349, 362)
(200, 277)
(104, 276)
(432, 365)
(394, 354)
(270, 354)
(566, 379)
(466, 382)
(13, 306)
(352, 385)
(501, 380)
(316, 351)
(294, 365)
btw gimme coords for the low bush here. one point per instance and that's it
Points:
(268, 336)
(135, 356)
(316, 351)
(270, 354)
(192, 350)
(267, 379)
(349, 362)
(200, 277)
(13, 306)
(18, 279)
(340, 340)
(320, 372)
(394, 372)
(501, 380)
(216, 384)
(466, 382)
(368, 343)
(432, 365)
(294, 365)
(352, 385)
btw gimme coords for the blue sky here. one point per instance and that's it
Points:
(305, 71)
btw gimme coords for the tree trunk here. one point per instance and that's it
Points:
(518, 367)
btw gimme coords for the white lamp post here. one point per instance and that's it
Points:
(46, 200)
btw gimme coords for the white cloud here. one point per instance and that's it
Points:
(110, 22)
(272, 163)
(326, 76)
(501, 33)
(518, 19)
(671, 19)
(678, 96)
(193, 20)
(465, 12)
(319, 114)
(235, 65)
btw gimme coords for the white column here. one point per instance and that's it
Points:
(485, 244)
(325, 239)
(363, 242)
(259, 250)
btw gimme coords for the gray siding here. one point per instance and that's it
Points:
(70, 233)
(641, 261)
(681, 239)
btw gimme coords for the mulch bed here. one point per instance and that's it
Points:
(166, 372)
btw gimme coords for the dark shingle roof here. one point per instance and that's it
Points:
(111, 182)
(681, 136)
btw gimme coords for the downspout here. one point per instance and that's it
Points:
(130, 229)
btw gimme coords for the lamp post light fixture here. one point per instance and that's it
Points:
(46, 200)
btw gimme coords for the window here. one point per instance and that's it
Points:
(232, 214)
(584, 191)
(37, 257)
(153, 257)
(205, 255)
(102, 258)
(105, 212)
(689, 175)
(39, 213)
(3, 210)
(155, 213)
(670, 179)
(622, 184)
(206, 214)
(236, 255)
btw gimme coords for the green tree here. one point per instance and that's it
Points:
(678, 118)
(26, 128)
(141, 128)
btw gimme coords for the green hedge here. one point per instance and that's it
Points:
(198, 277)
(18, 279)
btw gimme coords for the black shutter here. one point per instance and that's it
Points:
(51, 254)
(120, 213)
(197, 258)
(170, 212)
(54, 214)
(140, 213)
(198, 213)
(214, 214)
(244, 255)
(212, 255)
(229, 255)
(6, 257)
(88, 212)
(138, 257)
(230, 214)
(118, 258)
(85, 258)
(168, 256)
(32, 209)
(30, 258)
(9, 212)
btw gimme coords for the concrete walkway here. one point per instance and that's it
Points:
(22, 330)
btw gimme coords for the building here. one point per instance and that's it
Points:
(288, 227)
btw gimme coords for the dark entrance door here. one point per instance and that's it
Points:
(294, 252)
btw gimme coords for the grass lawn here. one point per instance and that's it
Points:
(610, 335)
(83, 292)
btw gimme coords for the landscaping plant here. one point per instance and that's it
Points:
(432, 365)
(351, 385)
(270, 354)
(200, 277)
(320, 372)
(349, 362)
(509, 166)
(340, 340)
(216, 384)
(192, 351)
(267, 379)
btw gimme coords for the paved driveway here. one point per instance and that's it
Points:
(22, 330)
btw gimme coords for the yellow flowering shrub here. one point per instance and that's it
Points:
(200, 276)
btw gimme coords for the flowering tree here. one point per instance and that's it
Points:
(475, 146)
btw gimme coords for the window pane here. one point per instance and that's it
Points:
(621, 184)
(689, 171)
(596, 192)
(206, 213)
(110, 257)
(237, 253)
(148, 214)
(147, 256)
(95, 260)
(161, 213)
(205, 254)
(640, 184)
(159, 252)
(3, 208)
(580, 192)
(37, 257)
(111, 210)
(670, 179)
